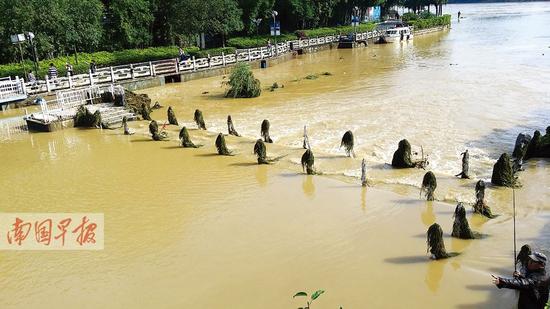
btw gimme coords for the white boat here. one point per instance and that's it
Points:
(397, 34)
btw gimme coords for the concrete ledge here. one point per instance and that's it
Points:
(431, 30)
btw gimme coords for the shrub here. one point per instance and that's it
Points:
(242, 83)
(409, 16)
(258, 41)
(430, 22)
(213, 52)
(337, 30)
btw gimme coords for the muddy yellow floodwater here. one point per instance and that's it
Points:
(185, 228)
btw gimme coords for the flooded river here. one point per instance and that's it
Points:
(185, 228)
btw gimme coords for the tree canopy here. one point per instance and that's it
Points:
(67, 26)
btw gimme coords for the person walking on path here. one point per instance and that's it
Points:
(532, 285)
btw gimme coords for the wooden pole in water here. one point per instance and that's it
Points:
(514, 206)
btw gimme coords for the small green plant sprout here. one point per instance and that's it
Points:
(313, 297)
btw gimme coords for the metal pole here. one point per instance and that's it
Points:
(22, 63)
(514, 203)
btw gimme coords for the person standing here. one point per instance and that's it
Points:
(458, 15)
(532, 285)
(69, 69)
(181, 54)
(52, 72)
(31, 78)
(93, 67)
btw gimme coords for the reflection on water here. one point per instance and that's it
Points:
(428, 216)
(261, 175)
(308, 186)
(434, 274)
(364, 198)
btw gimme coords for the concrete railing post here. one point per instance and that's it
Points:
(248, 50)
(48, 86)
(194, 64)
(151, 69)
(24, 87)
(112, 75)
(91, 77)
(70, 81)
(132, 71)
(177, 65)
(209, 62)
(223, 58)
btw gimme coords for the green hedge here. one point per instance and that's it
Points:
(311, 33)
(430, 22)
(213, 52)
(257, 41)
(106, 59)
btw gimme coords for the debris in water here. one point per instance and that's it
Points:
(199, 120)
(221, 146)
(264, 132)
(172, 116)
(429, 184)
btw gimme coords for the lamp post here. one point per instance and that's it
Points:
(30, 37)
(355, 18)
(257, 22)
(275, 30)
(19, 39)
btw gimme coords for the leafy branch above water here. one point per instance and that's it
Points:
(313, 297)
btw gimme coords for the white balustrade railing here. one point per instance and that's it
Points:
(173, 66)
(12, 88)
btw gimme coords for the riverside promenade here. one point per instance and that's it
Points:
(169, 69)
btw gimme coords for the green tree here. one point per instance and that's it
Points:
(128, 23)
(225, 18)
(83, 29)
